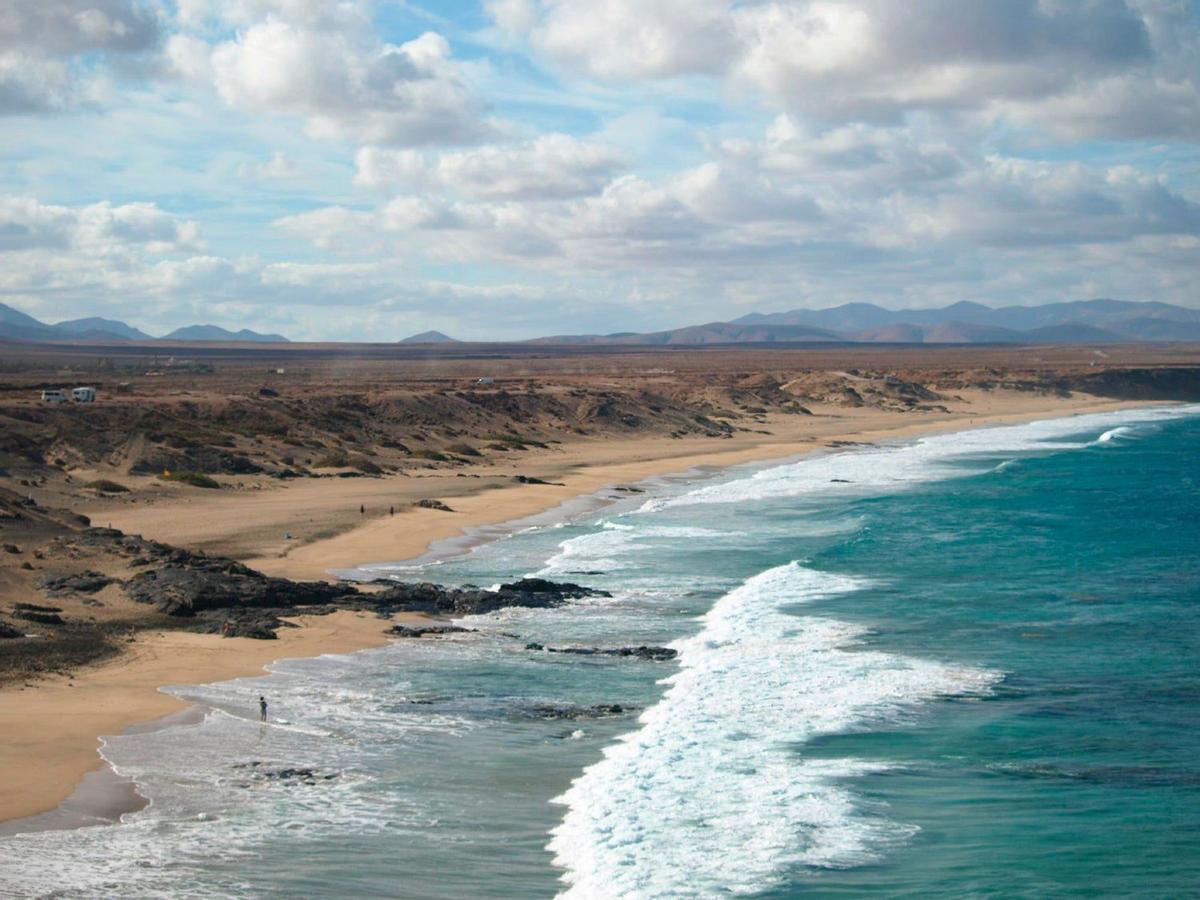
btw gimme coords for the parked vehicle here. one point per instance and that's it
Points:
(84, 394)
(54, 397)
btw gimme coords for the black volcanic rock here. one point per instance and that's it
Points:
(8, 631)
(79, 583)
(194, 584)
(42, 618)
(533, 593)
(658, 654)
(571, 712)
(420, 631)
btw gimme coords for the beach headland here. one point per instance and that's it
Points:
(97, 670)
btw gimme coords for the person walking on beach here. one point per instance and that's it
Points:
(391, 510)
(362, 510)
(262, 708)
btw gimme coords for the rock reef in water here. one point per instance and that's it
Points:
(658, 654)
(571, 712)
(409, 631)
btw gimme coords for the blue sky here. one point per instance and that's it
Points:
(512, 168)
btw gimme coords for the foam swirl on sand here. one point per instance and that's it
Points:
(709, 795)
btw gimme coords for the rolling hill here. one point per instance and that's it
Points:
(18, 326)
(429, 337)
(217, 333)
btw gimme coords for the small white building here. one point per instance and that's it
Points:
(54, 397)
(486, 380)
(84, 395)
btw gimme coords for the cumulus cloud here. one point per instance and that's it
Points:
(549, 166)
(49, 48)
(325, 62)
(876, 209)
(96, 229)
(1087, 67)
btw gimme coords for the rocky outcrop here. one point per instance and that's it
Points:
(42, 618)
(658, 654)
(257, 770)
(198, 583)
(89, 582)
(260, 624)
(535, 593)
(570, 712)
(8, 631)
(1165, 383)
(407, 631)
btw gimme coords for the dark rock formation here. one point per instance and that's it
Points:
(433, 504)
(43, 618)
(658, 654)
(529, 479)
(420, 631)
(431, 598)
(287, 774)
(88, 582)
(566, 711)
(196, 583)
(8, 631)
(260, 624)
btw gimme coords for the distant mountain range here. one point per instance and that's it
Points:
(1080, 322)
(16, 325)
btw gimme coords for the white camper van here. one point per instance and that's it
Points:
(54, 397)
(84, 394)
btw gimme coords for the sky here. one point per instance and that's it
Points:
(346, 170)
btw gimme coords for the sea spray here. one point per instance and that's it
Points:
(709, 796)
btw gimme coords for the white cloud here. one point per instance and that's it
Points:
(96, 229)
(325, 63)
(550, 166)
(1092, 67)
(631, 38)
(50, 48)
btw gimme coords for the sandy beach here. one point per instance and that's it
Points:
(328, 532)
(52, 727)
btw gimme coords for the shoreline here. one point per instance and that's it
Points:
(585, 470)
(118, 694)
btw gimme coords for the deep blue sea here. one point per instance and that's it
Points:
(961, 666)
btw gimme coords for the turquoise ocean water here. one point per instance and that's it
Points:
(959, 666)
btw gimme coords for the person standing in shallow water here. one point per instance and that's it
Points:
(262, 708)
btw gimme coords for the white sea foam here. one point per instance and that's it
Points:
(709, 796)
(611, 548)
(1113, 433)
(895, 467)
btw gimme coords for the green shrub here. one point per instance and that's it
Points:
(104, 486)
(464, 450)
(195, 479)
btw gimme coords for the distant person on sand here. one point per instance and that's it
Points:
(262, 707)
(362, 510)
(391, 510)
